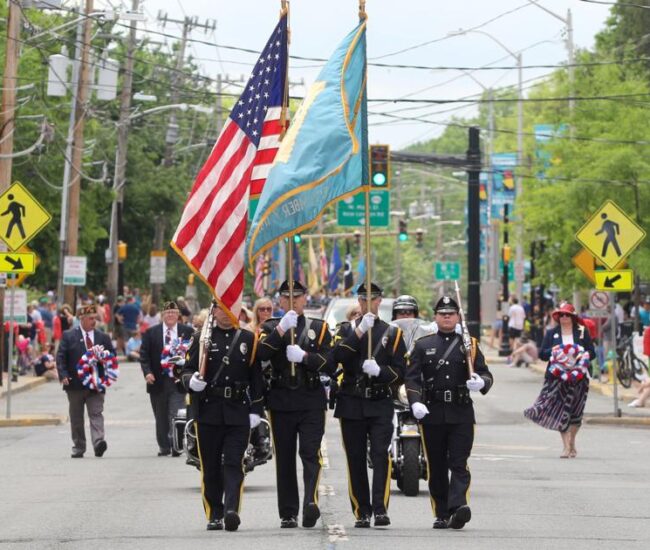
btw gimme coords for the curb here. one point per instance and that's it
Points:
(32, 420)
(617, 421)
(34, 383)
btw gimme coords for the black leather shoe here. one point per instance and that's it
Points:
(215, 525)
(440, 523)
(382, 520)
(100, 448)
(363, 522)
(231, 520)
(164, 453)
(289, 522)
(175, 453)
(310, 515)
(460, 517)
(77, 455)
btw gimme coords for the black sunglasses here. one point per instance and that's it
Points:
(560, 315)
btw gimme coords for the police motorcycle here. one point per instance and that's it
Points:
(259, 450)
(407, 454)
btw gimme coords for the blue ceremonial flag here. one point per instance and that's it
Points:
(335, 266)
(324, 154)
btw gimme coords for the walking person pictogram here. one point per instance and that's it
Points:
(17, 212)
(611, 229)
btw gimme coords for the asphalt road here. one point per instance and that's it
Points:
(523, 495)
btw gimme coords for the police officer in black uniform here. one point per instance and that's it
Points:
(438, 387)
(296, 401)
(364, 404)
(228, 403)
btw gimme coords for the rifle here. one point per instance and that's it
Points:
(467, 340)
(205, 340)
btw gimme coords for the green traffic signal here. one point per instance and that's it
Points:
(379, 179)
(403, 237)
(297, 238)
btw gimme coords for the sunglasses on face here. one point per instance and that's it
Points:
(560, 315)
(264, 309)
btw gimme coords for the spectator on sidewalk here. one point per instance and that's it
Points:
(134, 344)
(131, 315)
(644, 394)
(526, 353)
(45, 365)
(152, 317)
(516, 320)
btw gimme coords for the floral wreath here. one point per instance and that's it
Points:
(569, 363)
(177, 348)
(89, 373)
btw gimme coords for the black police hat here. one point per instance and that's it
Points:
(375, 290)
(298, 288)
(446, 304)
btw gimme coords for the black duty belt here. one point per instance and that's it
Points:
(237, 391)
(459, 396)
(301, 380)
(370, 391)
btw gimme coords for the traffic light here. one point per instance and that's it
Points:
(506, 253)
(403, 231)
(121, 251)
(297, 238)
(379, 166)
(419, 234)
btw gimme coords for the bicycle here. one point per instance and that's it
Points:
(629, 367)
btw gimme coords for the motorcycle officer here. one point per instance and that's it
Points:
(296, 401)
(364, 404)
(228, 404)
(406, 316)
(438, 387)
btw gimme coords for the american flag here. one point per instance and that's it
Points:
(261, 269)
(211, 234)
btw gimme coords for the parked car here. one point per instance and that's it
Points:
(337, 308)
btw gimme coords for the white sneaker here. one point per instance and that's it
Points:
(635, 403)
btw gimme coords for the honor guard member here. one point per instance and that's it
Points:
(296, 401)
(364, 404)
(227, 404)
(438, 387)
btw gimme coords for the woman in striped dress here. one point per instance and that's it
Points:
(561, 403)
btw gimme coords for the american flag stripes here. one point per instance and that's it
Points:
(211, 234)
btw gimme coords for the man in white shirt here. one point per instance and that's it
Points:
(516, 319)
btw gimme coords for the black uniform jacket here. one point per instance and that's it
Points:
(238, 390)
(151, 349)
(426, 373)
(553, 338)
(305, 392)
(71, 349)
(350, 351)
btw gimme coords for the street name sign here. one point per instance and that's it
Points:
(16, 262)
(610, 234)
(447, 271)
(586, 263)
(621, 280)
(21, 216)
(158, 267)
(351, 211)
(74, 270)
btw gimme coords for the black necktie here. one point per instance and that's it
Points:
(168, 336)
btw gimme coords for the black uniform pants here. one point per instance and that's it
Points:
(302, 431)
(356, 434)
(165, 404)
(448, 447)
(221, 451)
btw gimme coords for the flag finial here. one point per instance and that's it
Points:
(362, 10)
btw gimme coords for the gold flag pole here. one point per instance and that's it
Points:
(285, 100)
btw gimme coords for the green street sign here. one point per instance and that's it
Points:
(447, 271)
(511, 271)
(351, 211)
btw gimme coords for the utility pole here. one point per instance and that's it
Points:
(398, 243)
(473, 234)
(519, 182)
(189, 23)
(115, 284)
(77, 148)
(7, 120)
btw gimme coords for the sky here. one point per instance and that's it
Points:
(317, 27)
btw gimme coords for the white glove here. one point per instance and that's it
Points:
(475, 383)
(367, 321)
(419, 410)
(196, 384)
(289, 320)
(177, 360)
(254, 420)
(98, 350)
(295, 354)
(370, 367)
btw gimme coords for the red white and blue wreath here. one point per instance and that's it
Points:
(569, 363)
(177, 348)
(88, 368)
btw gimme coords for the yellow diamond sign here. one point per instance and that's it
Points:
(610, 235)
(21, 216)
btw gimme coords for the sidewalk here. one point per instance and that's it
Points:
(26, 383)
(629, 416)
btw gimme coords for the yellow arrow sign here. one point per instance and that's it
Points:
(621, 280)
(21, 216)
(14, 262)
(610, 235)
(586, 263)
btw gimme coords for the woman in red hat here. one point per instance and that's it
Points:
(569, 349)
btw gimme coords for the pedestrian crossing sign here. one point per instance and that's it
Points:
(610, 235)
(21, 216)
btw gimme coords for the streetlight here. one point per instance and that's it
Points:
(520, 132)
